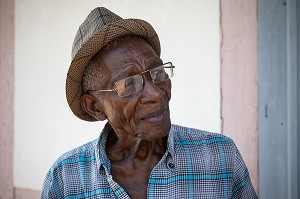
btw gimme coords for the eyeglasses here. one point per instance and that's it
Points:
(133, 84)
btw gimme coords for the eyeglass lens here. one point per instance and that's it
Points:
(133, 84)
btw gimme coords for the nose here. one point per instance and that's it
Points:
(151, 92)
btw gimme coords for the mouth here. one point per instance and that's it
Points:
(156, 116)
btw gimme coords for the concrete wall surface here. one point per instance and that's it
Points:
(239, 79)
(6, 97)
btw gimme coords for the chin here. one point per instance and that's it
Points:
(154, 131)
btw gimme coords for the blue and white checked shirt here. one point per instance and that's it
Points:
(197, 164)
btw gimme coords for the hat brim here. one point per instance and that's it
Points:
(94, 44)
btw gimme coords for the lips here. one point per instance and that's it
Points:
(156, 116)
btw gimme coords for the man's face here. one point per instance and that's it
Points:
(144, 114)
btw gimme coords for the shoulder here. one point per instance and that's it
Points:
(212, 155)
(204, 144)
(69, 162)
(85, 153)
(204, 151)
(186, 135)
(66, 169)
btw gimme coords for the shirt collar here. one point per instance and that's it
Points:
(100, 150)
(170, 147)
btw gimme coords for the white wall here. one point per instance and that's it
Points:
(45, 127)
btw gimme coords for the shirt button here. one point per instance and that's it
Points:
(171, 165)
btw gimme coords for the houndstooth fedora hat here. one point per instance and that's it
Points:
(99, 28)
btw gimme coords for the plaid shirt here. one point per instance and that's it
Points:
(196, 164)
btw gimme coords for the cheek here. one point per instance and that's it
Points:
(130, 114)
(119, 110)
(167, 89)
(109, 108)
(123, 116)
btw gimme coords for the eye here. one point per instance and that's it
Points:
(129, 81)
(129, 85)
(159, 75)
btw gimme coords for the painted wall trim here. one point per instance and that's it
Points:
(239, 78)
(26, 194)
(6, 97)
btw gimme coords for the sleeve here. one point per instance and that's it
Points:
(242, 186)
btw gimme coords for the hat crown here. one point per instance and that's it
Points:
(97, 19)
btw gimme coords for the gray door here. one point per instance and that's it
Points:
(279, 96)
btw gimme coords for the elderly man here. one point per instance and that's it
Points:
(117, 75)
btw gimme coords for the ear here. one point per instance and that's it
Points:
(89, 104)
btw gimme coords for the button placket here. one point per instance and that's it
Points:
(118, 191)
(171, 165)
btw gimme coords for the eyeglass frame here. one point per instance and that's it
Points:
(140, 74)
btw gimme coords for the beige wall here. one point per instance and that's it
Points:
(239, 79)
(6, 97)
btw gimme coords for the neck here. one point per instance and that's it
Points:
(123, 148)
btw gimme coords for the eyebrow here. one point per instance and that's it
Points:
(153, 60)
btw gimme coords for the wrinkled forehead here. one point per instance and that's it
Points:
(128, 51)
(127, 47)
